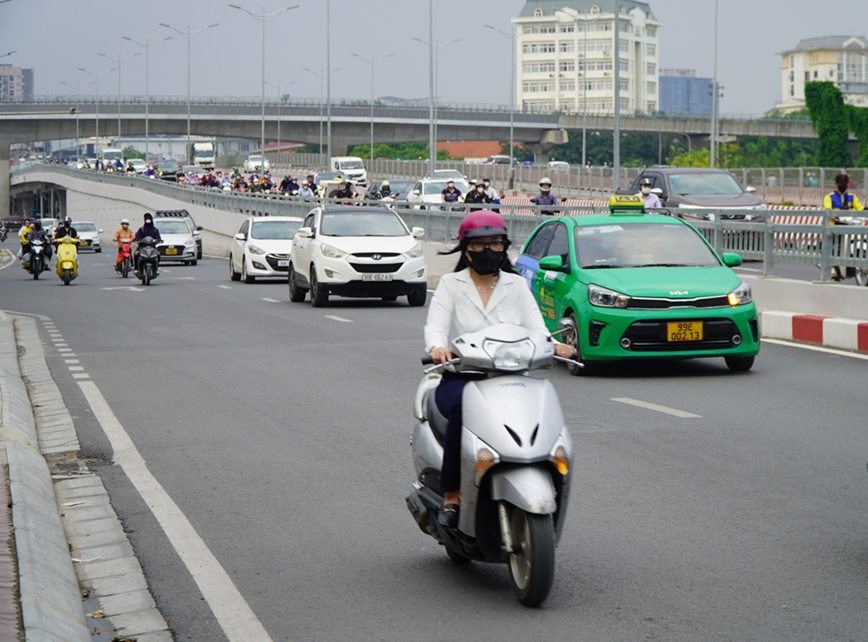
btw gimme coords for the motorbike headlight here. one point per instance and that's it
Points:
(331, 252)
(741, 295)
(36, 242)
(604, 298)
(416, 252)
(509, 356)
(255, 249)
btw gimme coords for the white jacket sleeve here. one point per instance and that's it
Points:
(531, 317)
(440, 312)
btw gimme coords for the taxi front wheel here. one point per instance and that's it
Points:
(739, 364)
(572, 338)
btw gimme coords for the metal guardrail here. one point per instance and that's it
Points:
(770, 241)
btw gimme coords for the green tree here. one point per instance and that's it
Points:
(829, 118)
(132, 152)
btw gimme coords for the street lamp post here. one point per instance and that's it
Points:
(616, 134)
(279, 101)
(8, 53)
(437, 48)
(321, 75)
(432, 136)
(512, 37)
(147, 47)
(263, 19)
(189, 36)
(714, 96)
(77, 88)
(372, 61)
(119, 61)
(96, 74)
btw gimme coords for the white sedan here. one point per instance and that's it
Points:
(256, 164)
(261, 247)
(429, 191)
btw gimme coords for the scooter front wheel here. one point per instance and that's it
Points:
(67, 276)
(532, 562)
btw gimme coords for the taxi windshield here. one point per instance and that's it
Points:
(642, 245)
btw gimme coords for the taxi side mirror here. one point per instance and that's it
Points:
(555, 263)
(731, 259)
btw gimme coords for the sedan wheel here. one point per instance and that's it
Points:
(233, 275)
(247, 278)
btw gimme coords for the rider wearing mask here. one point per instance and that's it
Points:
(344, 192)
(651, 200)
(123, 235)
(451, 194)
(490, 192)
(26, 228)
(38, 233)
(65, 229)
(476, 195)
(148, 229)
(545, 197)
(308, 189)
(483, 290)
(840, 199)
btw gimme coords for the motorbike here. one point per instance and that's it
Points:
(126, 264)
(34, 261)
(3, 235)
(149, 260)
(67, 259)
(516, 457)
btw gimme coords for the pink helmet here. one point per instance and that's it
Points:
(481, 223)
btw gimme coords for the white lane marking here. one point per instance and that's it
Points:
(653, 406)
(11, 259)
(805, 346)
(182, 278)
(65, 350)
(61, 344)
(80, 375)
(270, 300)
(131, 288)
(234, 615)
(339, 319)
(75, 368)
(71, 361)
(225, 287)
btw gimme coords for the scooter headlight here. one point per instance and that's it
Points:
(511, 357)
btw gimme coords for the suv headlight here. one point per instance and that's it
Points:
(509, 356)
(741, 295)
(331, 252)
(416, 252)
(190, 242)
(603, 298)
(255, 249)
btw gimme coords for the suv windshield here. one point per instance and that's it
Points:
(171, 227)
(704, 184)
(641, 245)
(436, 187)
(274, 230)
(355, 223)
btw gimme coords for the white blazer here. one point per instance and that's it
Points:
(456, 308)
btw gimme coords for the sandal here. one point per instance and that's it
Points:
(448, 516)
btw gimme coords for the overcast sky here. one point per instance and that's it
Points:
(55, 37)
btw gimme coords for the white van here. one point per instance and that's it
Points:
(352, 166)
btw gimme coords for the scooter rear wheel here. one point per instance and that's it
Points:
(532, 562)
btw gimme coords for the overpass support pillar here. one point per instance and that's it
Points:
(549, 140)
(4, 179)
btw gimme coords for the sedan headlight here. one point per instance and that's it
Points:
(510, 356)
(255, 249)
(331, 252)
(603, 298)
(190, 242)
(741, 295)
(416, 252)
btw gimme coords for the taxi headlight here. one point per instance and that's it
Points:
(416, 252)
(255, 249)
(509, 356)
(331, 252)
(741, 295)
(603, 298)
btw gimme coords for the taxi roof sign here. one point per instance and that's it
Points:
(624, 203)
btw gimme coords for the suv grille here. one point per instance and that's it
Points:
(378, 268)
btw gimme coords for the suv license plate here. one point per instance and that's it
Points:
(283, 263)
(376, 277)
(684, 331)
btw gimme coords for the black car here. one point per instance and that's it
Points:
(400, 189)
(13, 223)
(168, 169)
(195, 229)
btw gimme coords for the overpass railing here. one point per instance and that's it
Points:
(770, 237)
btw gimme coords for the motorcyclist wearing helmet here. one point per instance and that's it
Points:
(484, 290)
(38, 233)
(841, 199)
(345, 192)
(451, 194)
(26, 228)
(65, 229)
(385, 191)
(645, 193)
(476, 195)
(123, 235)
(545, 197)
(490, 192)
(148, 229)
(308, 189)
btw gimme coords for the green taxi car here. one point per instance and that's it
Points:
(640, 286)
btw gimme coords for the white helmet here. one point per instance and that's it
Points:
(545, 181)
(125, 221)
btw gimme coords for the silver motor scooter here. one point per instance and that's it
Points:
(516, 456)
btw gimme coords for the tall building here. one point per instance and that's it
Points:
(15, 83)
(683, 94)
(842, 60)
(565, 51)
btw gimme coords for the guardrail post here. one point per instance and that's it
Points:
(716, 234)
(826, 252)
(768, 249)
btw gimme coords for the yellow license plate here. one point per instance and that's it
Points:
(84, 243)
(171, 250)
(684, 331)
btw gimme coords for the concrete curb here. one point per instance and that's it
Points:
(830, 332)
(51, 606)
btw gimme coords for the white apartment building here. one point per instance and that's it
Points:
(565, 54)
(842, 60)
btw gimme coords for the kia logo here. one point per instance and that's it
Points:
(678, 293)
(376, 257)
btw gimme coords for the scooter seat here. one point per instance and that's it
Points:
(436, 419)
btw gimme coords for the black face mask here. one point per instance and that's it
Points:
(486, 262)
(842, 187)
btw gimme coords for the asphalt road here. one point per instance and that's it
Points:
(281, 431)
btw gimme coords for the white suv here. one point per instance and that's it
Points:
(256, 164)
(357, 252)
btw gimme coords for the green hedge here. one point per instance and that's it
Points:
(857, 119)
(829, 118)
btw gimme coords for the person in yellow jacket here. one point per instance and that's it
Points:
(841, 200)
(26, 228)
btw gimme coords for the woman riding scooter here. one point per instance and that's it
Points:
(484, 290)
